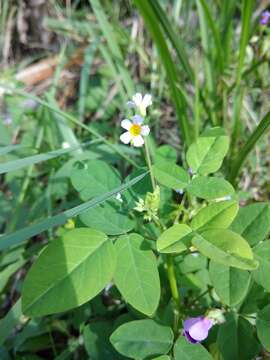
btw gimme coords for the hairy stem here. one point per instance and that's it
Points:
(149, 164)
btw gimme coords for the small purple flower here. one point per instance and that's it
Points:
(179, 191)
(196, 329)
(190, 171)
(265, 17)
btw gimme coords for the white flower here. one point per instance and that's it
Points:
(135, 131)
(119, 197)
(141, 102)
(65, 145)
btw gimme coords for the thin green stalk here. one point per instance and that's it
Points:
(149, 164)
(12, 224)
(216, 35)
(197, 117)
(173, 287)
(173, 36)
(208, 66)
(181, 208)
(168, 63)
(247, 6)
(237, 164)
(237, 106)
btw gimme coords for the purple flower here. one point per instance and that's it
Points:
(196, 329)
(179, 191)
(265, 18)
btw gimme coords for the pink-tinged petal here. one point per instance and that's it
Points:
(145, 130)
(138, 141)
(137, 99)
(147, 100)
(137, 119)
(126, 124)
(199, 331)
(191, 321)
(131, 104)
(126, 137)
(189, 338)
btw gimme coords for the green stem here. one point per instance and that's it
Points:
(174, 288)
(180, 209)
(243, 153)
(149, 164)
(24, 188)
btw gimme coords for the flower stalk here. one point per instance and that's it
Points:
(149, 164)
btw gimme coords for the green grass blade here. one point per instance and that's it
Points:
(84, 78)
(169, 65)
(237, 164)
(174, 38)
(72, 119)
(226, 24)
(112, 43)
(247, 7)
(8, 323)
(206, 46)
(215, 32)
(35, 159)
(19, 236)
(9, 148)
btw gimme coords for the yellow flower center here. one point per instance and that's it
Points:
(135, 130)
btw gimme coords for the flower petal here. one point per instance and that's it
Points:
(131, 104)
(137, 119)
(191, 321)
(126, 137)
(126, 124)
(199, 331)
(145, 130)
(138, 141)
(147, 100)
(137, 99)
(189, 338)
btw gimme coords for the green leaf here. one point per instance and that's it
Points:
(96, 340)
(205, 156)
(9, 148)
(136, 275)
(253, 222)
(165, 153)
(72, 270)
(162, 357)
(210, 187)
(263, 327)
(183, 350)
(35, 159)
(93, 178)
(108, 219)
(261, 275)
(142, 338)
(225, 247)
(236, 339)
(171, 175)
(173, 239)
(230, 284)
(217, 215)
(10, 321)
(23, 234)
